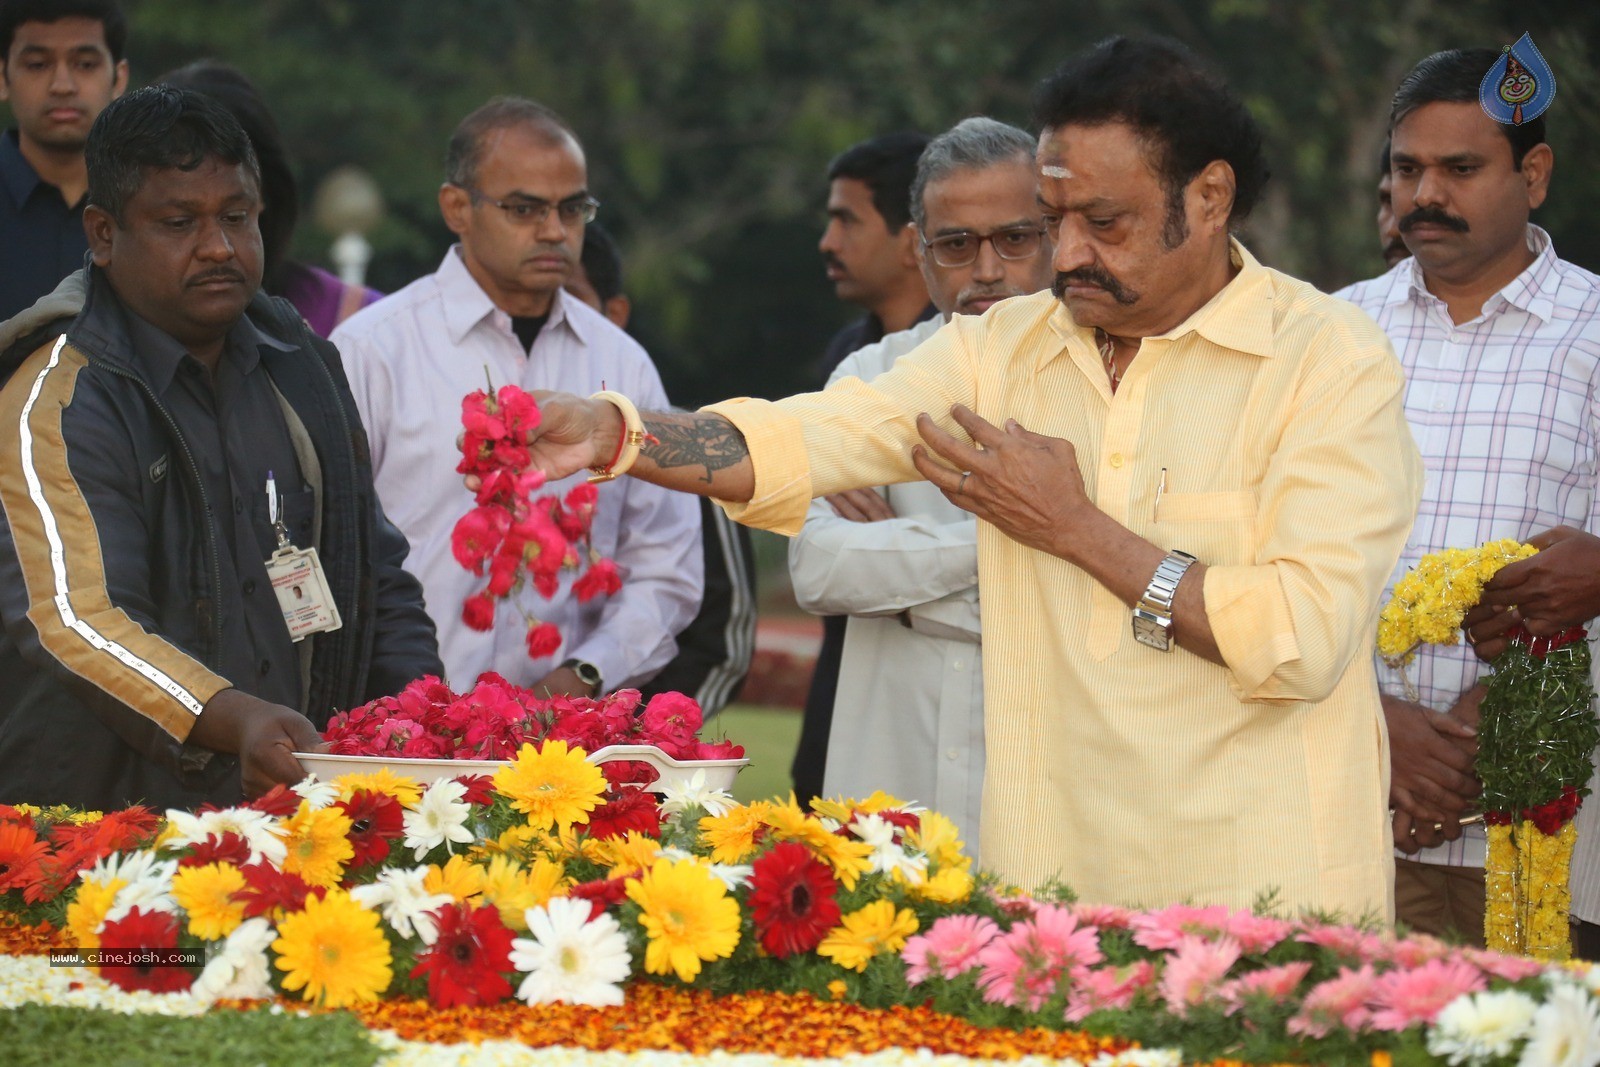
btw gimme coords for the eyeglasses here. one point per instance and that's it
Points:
(531, 211)
(961, 249)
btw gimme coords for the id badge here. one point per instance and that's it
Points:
(302, 591)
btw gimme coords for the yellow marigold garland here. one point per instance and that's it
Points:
(1429, 602)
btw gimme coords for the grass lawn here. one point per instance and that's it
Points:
(769, 736)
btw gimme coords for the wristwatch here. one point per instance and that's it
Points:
(587, 673)
(1152, 615)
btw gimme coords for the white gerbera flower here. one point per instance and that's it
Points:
(317, 794)
(887, 856)
(1566, 1030)
(571, 958)
(148, 882)
(405, 904)
(693, 793)
(1472, 1029)
(439, 817)
(239, 970)
(733, 875)
(260, 831)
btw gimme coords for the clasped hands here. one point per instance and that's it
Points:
(1434, 776)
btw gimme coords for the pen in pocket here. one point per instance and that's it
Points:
(1161, 487)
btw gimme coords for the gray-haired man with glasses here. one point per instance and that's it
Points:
(902, 561)
(516, 195)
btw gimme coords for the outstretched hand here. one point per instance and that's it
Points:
(1025, 483)
(571, 433)
(264, 735)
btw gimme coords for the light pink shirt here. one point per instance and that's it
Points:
(411, 357)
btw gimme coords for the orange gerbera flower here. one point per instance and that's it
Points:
(20, 853)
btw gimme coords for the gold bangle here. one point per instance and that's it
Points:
(633, 438)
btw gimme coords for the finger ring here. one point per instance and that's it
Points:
(1412, 831)
(1438, 826)
(961, 487)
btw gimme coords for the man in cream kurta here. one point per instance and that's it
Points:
(1177, 395)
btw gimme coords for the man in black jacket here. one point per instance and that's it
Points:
(158, 448)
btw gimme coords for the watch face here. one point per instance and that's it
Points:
(1148, 630)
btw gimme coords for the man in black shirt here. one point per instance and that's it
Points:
(60, 65)
(168, 431)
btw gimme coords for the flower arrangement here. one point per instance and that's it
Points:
(518, 538)
(1536, 734)
(472, 893)
(494, 719)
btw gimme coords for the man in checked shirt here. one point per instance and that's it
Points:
(1500, 341)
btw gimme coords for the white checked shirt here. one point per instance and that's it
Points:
(1503, 409)
(411, 357)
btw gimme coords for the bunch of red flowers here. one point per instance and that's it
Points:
(493, 720)
(513, 536)
(41, 852)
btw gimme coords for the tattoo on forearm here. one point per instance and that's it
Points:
(708, 441)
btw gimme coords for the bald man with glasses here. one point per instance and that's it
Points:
(516, 195)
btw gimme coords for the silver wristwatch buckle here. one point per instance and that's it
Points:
(1152, 615)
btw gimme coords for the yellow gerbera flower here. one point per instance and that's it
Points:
(789, 823)
(841, 811)
(848, 857)
(867, 932)
(206, 895)
(383, 780)
(459, 877)
(937, 838)
(335, 951)
(950, 885)
(552, 786)
(319, 845)
(514, 888)
(88, 910)
(622, 855)
(732, 836)
(687, 915)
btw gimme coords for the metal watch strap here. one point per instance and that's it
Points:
(1163, 585)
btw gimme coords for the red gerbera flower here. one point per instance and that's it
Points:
(602, 894)
(465, 964)
(631, 809)
(229, 848)
(375, 820)
(76, 848)
(271, 892)
(480, 788)
(792, 900)
(279, 801)
(20, 853)
(141, 932)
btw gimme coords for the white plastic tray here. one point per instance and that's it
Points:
(719, 773)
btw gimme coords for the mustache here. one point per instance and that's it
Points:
(227, 274)
(1096, 276)
(988, 292)
(1435, 216)
(831, 260)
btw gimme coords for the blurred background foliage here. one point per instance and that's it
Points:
(709, 123)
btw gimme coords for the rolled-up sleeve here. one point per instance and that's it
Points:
(1334, 511)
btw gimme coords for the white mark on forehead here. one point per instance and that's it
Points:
(1059, 173)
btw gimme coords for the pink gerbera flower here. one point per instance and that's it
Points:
(1416, 950)
(1194, 970)
(1164, 930)
(1271, 983)
(1404, 998)
(1027, 964)
(949, 948)
(1511, 968)
(1107, 988)
(1340, 1002)
(1255, 933)
(1105, 916)
(1348, 941)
